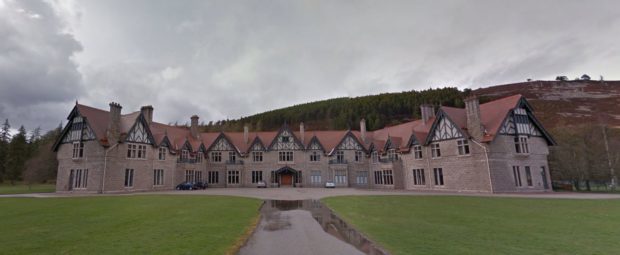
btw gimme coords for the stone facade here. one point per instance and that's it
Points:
(135, 154)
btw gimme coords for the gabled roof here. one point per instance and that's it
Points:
(400, 136)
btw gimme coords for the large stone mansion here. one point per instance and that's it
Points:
(498, 146)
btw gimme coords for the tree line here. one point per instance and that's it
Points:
(27, 156)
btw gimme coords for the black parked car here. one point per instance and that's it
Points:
(185, 186)
(199, 185)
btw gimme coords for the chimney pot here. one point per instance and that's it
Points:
(302, 130)
(363, 129)
(246, 131)
(114, 126)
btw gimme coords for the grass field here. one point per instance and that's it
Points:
(470, 225)
(124, 224)
(19, 188)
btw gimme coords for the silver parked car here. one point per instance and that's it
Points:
(261, 184)
(330, 184)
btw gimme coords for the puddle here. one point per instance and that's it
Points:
(305, 227)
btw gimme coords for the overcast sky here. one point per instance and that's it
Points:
(226, 59)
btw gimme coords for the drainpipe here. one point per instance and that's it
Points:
(486, 155)
(105, 162)
(428, 166)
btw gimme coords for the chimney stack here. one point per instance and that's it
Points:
(363, 129)
(114, 126)
(474, 124)
(194, 126)
(147, 112)
(427, 112)
(246, 136)
(302, 130)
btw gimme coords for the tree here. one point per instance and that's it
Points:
(17, 155)
(43, 164)
(5, 137)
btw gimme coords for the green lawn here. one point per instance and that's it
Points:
(474, 225)
(19, 188)
(145, 224)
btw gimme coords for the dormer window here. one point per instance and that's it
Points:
(184, 154)
(199, 157)
(162, 153)
(232, 157)
(417, 152)
(340, 156)
(375, 157)
(359, 155)
(392, 155)
(315, 156)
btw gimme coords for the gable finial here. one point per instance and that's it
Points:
(76, 102)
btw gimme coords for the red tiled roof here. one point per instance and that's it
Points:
(492, 115)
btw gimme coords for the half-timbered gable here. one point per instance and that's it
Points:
(521, 121)
(444, 129)
(315, 144)
(286, 140)
(78, 130)
(140, 132)
(257, 145)
(350, 142)
(222, 143)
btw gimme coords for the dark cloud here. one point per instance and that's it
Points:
(226, 59)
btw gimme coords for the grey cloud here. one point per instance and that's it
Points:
(226, 59)
(36, 70)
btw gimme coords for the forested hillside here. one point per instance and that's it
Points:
(343, 113)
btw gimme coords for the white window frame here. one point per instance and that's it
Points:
(213, 177)
(216, 156)
(392, 154)
(162, 153)
(463, 148)
(257, 176)
(419, 178)
(417, 152)
(435, 150)
(315, 177)
(521, 145)
(158, 177)
(78, 150)
(315, 156)
(233, 176)
(438, 176)
(129, 178)
(232, 157)
(80, 179)
(285, 156)
(359, 156)
(362, 177)
(340, 156)
(257, 156)
(340, 177)
(374, 156)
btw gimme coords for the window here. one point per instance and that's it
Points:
(435, 150)
(80, 178)
(257, 176)
(315, 177)
(136, 151)
(128, 178)
(213, 177)
(162, 153)
(463, 146)
(521, 146)
(378, 177)
(340, 176)
(216, 156)
(387, 177)
(158, 177)
(417, 152)
(418, 177)
(233, 177)
(197, 176)
(257, 156)
(315, 156)
(362, 177)
(528, 176)
(340, 156)
(299, 177)
(78, 150)
(392, 155)
(375, 156)
(189, 175)
(232, 157)
(359, 155)
(184, 154)
(285, 156)
(516, 172)
(285, 139)
(198, 157)
(438, 176)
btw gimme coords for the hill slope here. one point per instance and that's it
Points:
(566, 103)
(557, 104)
